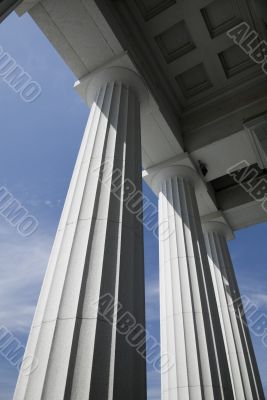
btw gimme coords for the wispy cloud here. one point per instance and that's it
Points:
(152, 301)
(260, 299)
(153, 379)
(255, 290)
(22, 266)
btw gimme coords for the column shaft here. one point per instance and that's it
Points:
(98, 251)
(190, 326)
(241, 358)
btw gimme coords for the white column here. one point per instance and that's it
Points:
(98, 251)
(190, 325)
(241, 358)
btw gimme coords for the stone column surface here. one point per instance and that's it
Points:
(241, 358)
(97, 255)
(190, 327)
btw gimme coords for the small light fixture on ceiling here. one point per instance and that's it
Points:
(203, 168)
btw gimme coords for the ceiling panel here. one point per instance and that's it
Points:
(194, 81)
(151, 8)
(220, 19)
(175, 42)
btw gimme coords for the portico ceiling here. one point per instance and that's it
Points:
(183, 49)
(189, 41)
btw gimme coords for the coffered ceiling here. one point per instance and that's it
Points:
(194, 70)
(189, 41)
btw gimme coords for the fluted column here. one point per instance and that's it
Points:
(241, 358)
(190, 325)
(97, 255)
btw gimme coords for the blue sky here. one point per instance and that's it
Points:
(39, 144)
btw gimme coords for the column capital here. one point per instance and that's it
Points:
(90, 84)
(161, 174)
(217, 223)
(218, 227)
